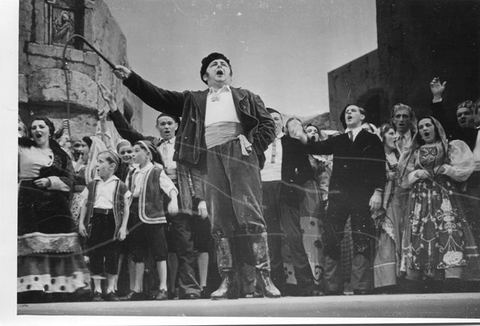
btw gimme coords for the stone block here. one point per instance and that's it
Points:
(75, 55)
(91, 58)
(48, 85)
(83, 68)
(46, 50)
(42, 62)
(22, 88)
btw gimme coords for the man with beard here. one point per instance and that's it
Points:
(355, 190)
(223, 133)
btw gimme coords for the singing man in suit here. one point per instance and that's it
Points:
(355, 190)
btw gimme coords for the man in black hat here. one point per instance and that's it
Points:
(223, 133)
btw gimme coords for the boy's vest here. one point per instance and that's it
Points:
(118, 202)
(150, 200)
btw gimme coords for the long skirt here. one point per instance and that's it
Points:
(49, 255)
(438, 240)
(385, 262)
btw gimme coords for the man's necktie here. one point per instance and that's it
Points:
(401, 143)
(350, 135)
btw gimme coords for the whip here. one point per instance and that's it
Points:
(65, 69)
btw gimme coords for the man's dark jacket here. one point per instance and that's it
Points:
(190, 147)
(358, 167)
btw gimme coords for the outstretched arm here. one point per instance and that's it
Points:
(157, 98)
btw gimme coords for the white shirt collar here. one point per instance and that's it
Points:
(147, 167)
(112, 178)
(407, 135)
(225, 88)
(355, 131)
(170, 141)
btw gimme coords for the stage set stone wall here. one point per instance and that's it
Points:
(45, 27)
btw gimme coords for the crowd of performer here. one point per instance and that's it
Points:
(214, 205)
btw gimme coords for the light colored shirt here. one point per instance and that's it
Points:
(138, 181)
(166, 150)
(105, 192)
(272, 170)
(31, 160)
(404, 142)
(220, 106)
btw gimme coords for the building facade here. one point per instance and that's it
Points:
(45, 28)
(417, 40)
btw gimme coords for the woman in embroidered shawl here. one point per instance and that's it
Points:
(49, 255)
(437, 242)
(388, 246)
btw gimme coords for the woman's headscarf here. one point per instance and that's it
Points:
(417, 141)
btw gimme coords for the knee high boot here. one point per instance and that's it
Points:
(228, 289)
(261, 261)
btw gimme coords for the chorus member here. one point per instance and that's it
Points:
(437, 241)
(85, 170)
(150, 187)
(103, 221)
(388, 247)
(49, 259)
(358, 179)
(465, 130)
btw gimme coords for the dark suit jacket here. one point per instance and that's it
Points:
(358, 167)
(451, 127)
(296, 170)
(190, 147)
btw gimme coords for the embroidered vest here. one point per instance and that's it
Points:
(118, 202)
(150, 200)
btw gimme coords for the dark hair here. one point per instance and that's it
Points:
(174, 117)
(342, 115)
(47, 121)
(312, 125)
(87, 140)
(271, 110)
(467, 105)
(208, 59)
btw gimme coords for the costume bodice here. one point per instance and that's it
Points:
(430, 156)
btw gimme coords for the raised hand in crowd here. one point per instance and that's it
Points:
(437, 88)
(108, 97)
(295, 130)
